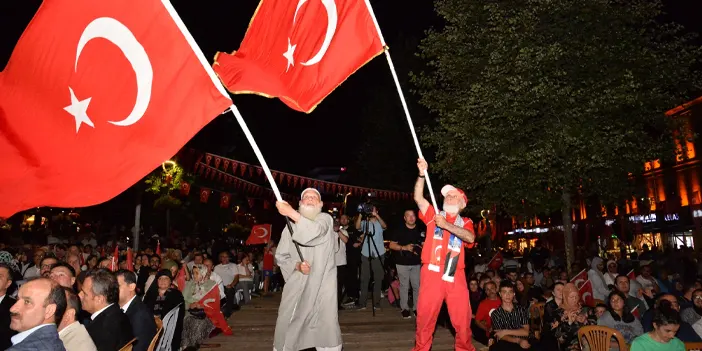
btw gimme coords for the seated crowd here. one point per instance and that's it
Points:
(538, 305)
(87, 302)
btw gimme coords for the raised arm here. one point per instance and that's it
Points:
(422, 203)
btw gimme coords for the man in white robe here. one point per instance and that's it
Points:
(307, 316)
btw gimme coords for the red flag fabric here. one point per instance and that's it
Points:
(496, 261)
(158, 248)
(180, 278)
(636, 312)
(224, 200)
(184, 188)
(301, 53)
(631, 275)
(130, 259)
(211, 304)
(115, 259)
(124, 102)
(580, 279)
(260, 234)
(204, 195)
(586, 294)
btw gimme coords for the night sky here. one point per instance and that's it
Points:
(335, 127)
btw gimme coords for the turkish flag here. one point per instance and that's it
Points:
(180, 278)
(184, 188)
(224, 200)
(115, 259)
(260, 234)
(130, 260)
(204, 195)
(300, 51)
(96, 95)
(211, 304)
(496, 261)
(580, 279)
(631, 275)
(586, 294)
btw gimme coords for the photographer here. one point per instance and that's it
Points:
(373, 246)
(405, 244)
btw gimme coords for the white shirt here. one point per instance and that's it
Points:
(32, 272)
(218, 280)
(2, 298)
(94, 315)
(227, 272)
(126, 305)
(23, 335)
(242, 272)
(340, 254)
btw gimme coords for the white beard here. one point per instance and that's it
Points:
(452, 209)
(309, 212)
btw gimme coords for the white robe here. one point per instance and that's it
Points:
(308, 315)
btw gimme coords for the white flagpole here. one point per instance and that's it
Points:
(402, 100)
(206, 65)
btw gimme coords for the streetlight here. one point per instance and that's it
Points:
(345, 197)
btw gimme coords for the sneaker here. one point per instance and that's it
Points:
(406, 314)
(415, 313)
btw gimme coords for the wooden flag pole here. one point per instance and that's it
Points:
(402, 100)
(264, 165)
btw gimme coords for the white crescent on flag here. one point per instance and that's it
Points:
(584, 297)
(207, 302)
(579, 283)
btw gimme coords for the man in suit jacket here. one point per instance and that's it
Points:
(41, 304)
(109, 327)
(5, 303)
(73, 334)
(141, 318)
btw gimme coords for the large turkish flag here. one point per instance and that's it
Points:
(95, 96)
(300, 50)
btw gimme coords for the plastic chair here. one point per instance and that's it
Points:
(536, 317)
(159, 329)
(129, 346)
(599, 338)
(693, 346)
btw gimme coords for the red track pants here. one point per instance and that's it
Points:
(432, 292)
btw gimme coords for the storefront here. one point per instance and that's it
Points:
(521, 239)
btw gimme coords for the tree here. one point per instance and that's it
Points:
(542, 101)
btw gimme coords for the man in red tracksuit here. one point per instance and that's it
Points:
(442, 277)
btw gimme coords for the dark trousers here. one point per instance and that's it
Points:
(231, 304)
(365, 279)
(352, 283)
(340, 282)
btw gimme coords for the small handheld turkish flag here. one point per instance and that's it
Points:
(95, 96)
(580, 279)
(300, 51)
(260, 234)
(496, 261)
(211, 304)
(586, 294)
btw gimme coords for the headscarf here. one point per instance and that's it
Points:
(202, 286)
(568, 290)
(593, 267)
(6, 258)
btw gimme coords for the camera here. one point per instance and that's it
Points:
(366, 208)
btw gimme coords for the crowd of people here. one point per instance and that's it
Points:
(82, 299)
(533, 302)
